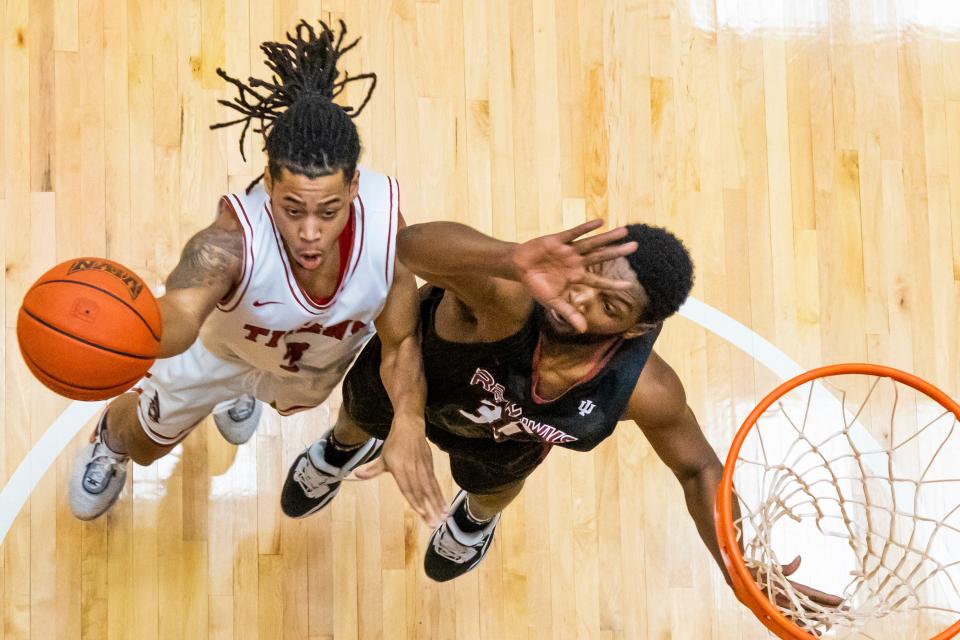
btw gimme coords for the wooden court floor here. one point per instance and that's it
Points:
(807, 151)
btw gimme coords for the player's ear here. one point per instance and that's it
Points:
(354, 185)
(267, 179)
(639, 329)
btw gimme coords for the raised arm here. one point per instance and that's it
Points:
(501, 278)
(659, 407)
(477, 269)
(454, 249)
(209, 267)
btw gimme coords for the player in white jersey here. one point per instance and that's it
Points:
(275, 298)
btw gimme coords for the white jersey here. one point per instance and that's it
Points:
(272, 324)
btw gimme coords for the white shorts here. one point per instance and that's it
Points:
(178, 392)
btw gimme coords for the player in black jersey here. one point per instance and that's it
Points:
(525, 347)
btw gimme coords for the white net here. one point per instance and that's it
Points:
(858, 475)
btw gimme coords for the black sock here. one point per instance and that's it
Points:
(337, 454)
(465, 520)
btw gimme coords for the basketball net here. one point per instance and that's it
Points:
(856, 468)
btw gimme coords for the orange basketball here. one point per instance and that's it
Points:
(89, 328)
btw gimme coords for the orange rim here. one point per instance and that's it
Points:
(746, 588)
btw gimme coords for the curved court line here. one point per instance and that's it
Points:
(764, 352)
(39, 459)
(75, 416)
(742, 337)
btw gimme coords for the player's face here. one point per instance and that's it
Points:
(608, 313)
(311, 213)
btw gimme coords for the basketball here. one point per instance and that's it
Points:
(89, 328)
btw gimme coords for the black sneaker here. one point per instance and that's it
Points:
(452, 552)
(312, 482)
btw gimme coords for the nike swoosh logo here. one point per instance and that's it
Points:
(258, 303)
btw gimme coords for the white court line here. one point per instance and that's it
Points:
(742, 337)
(65, 427)
(39, 459)
(764, 352)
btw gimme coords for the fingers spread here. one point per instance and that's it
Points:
(572, 234)
(607, 284)
(609, 253)
(595, 242)
(566, 311)
(433, 494)
(791, 567)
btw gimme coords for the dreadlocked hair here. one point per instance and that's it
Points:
(663, 267)
(304, 130)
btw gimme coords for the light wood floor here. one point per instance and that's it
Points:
(809, 157)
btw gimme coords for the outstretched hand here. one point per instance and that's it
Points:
(820, 597)
(407, 456)
(551, 264)
(816, 596)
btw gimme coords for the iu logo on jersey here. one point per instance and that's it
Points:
(586, 406)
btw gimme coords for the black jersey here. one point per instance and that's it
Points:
(486, 390)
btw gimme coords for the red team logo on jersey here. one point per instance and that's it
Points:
(294, 349)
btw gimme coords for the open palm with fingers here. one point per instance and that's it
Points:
(811, 604)
(406, 455)
(551, 264)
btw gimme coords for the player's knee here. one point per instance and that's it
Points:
(145, 455)
(124, 427)
(511, 490)
(144, 450)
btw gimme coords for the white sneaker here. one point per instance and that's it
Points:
(97, 478)
(237, 420)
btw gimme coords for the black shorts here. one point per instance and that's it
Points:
(478, 465)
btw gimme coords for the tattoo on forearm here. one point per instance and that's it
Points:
(211, 258)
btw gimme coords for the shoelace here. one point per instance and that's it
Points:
(448, 547)
(100, 468)
(313, 481)
(243, 409)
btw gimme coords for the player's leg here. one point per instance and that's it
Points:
(122, 433)
(145, 425)
(463, 539)
(100, 469)
(357, 437)
(481, 508)
(315, 476)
